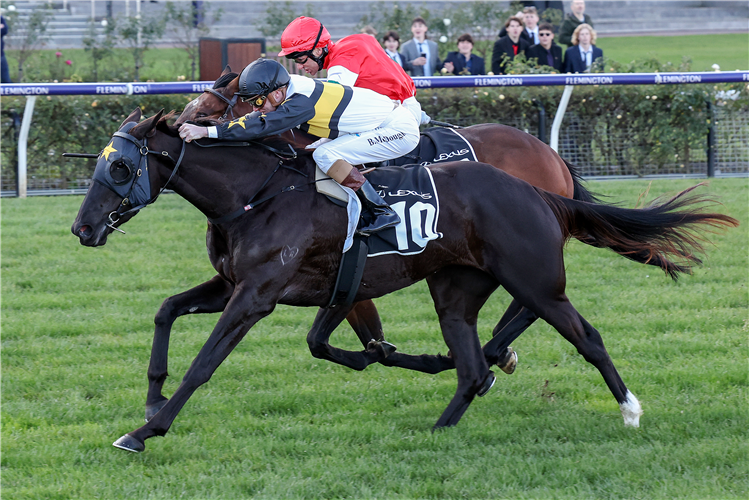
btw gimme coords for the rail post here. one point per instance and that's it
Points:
(23, 139)
(541, 120)
(710, 140)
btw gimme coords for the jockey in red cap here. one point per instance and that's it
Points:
(356, 61)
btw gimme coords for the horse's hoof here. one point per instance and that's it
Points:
(488, 384)
(510, 361)
(152, 410)
(385, 349)
(129, 443)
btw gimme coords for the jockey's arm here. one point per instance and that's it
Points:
(291, 113)
(342, 75)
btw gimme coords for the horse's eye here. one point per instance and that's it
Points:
(120, 171)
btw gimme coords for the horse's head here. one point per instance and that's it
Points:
(218, 104)
(122, 182)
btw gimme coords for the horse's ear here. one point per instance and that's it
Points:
(226, 71)
(134, 117)
(146, 126)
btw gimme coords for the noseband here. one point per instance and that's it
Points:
(229, 102)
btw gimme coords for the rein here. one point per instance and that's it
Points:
(144, 152)
(252, 203)
(229, 102)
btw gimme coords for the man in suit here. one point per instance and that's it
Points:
(463, 62)
(583, 53)
(547, 52)
(392, 41)
(572, 21)
(422, 54)
(530, 17)
(510, 45)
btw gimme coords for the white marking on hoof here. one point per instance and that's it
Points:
(631, 411)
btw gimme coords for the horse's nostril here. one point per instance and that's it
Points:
(84, 231)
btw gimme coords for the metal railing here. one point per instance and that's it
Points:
(722, 146)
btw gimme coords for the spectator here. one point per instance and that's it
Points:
(422, 54)
(463, 62)
(392, 41)
(547, 52)
(583, 52)
(510, 45)
(530, 16)
(523, 34)
(572, 21)
(4, 70)
(369, 30)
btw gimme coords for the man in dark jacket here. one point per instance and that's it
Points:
(510, 46)
(4, 70)
(572, 21)
(464, 62)
(547, 52)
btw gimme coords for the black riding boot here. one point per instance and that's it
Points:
(381, 215)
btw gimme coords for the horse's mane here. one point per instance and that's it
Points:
(165, 126)
(224, 80)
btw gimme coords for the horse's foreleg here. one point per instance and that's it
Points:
(458, 295)
(365, 320)
(515, 321)
(208, 297)
(244, 309)
(319, 335)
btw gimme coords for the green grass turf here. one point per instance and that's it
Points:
(729, 51)
(273, 422)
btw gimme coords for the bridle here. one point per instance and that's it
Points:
(229, 102)
(132, 197)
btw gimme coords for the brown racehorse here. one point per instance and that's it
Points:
(496, 231)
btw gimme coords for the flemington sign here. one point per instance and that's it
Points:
(581, 79)
(140, 88)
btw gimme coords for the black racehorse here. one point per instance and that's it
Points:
(284, 246)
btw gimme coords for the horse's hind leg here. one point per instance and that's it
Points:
(559, 313)
(458, 294)
(589, 344)
(208, 297)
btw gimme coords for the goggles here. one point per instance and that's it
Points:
(256, 101)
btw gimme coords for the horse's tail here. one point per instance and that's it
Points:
(580, 192)
(652, 235)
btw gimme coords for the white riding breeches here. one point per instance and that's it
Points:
(395, 137)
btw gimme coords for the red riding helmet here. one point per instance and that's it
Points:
(303, 34)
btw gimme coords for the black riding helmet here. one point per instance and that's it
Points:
(260, 78)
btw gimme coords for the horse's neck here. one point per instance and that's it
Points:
(221, 180)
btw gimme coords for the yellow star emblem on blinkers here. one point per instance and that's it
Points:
(107, 150)
(238, 121)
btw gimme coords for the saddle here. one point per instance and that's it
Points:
(436, 144)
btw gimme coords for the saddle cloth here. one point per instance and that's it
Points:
(411, 192)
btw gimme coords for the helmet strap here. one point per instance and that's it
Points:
(319, 60)
(273, 100)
